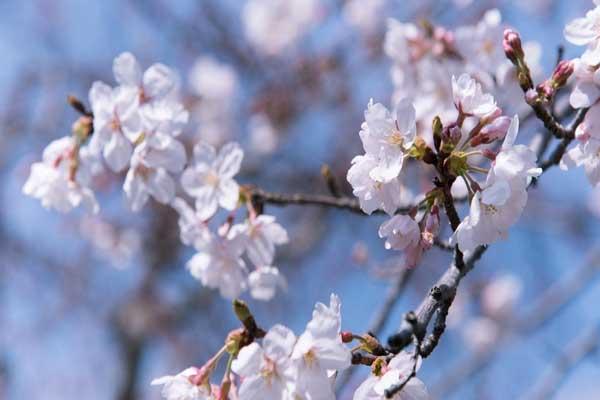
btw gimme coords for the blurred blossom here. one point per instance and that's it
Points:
(594, 202)
(263, 136)
(365, 15)
(500, 296)
(216, 84)
(273, 25)
(360, 253)
(213, 80)
(118, 246)
(480, 333)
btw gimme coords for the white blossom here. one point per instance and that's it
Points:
(320, 349)
(51, 182)
(267, 371)
(481, 44)
(154, 84)
(180, 387)
(365, 15)
(210, 178)
(263, 234)
(193, 229)
(149, 173)
(398, 369)
(289, 18)
(499, 297)
(218, 264)
(264, 281)
(586, 154)
(117, 123)
(388, 136)
(586, 32)
(403, 233)
(470, 99)
(372, 194)
(501, 202)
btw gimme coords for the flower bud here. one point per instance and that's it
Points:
(347, 336)
(562, 72)
(512, 46)
(493, 131)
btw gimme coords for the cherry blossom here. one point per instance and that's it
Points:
(210, 179)
(263, 234)
(499, 297)
(470, 99)
(404, 234)
(154, 84)
(148, 175)
(218, 264)
(60, 181)
(216, 84)
(586, 154)
(398, 369)
(289, 18)
(320, 349)
(193, 229)
(180, 386)
(264, 281)
(501, 202)
(267, 371)
(117, 123)
(388, 136)
(372, 194)
(586, 32)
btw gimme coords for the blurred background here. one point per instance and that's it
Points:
(95, 307)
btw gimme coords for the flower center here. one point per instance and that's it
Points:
(310, 357)
(488, 47)
(490, 209)
(269, 370)
(211, 179)
(396, 139)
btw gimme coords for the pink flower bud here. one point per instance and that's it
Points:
(493, 131)
(512, 46)
(347, 336)
(562, 72)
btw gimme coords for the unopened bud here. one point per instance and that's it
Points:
(562, 72)
(512, 46)
(347, 336)
(493, 131)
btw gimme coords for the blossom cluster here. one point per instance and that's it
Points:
(219, 263)
(389, 139)
(586, 94)
(426, 57)
(286, 366)
(289, 18)
(134, 126)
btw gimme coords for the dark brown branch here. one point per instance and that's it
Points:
(440, 294)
